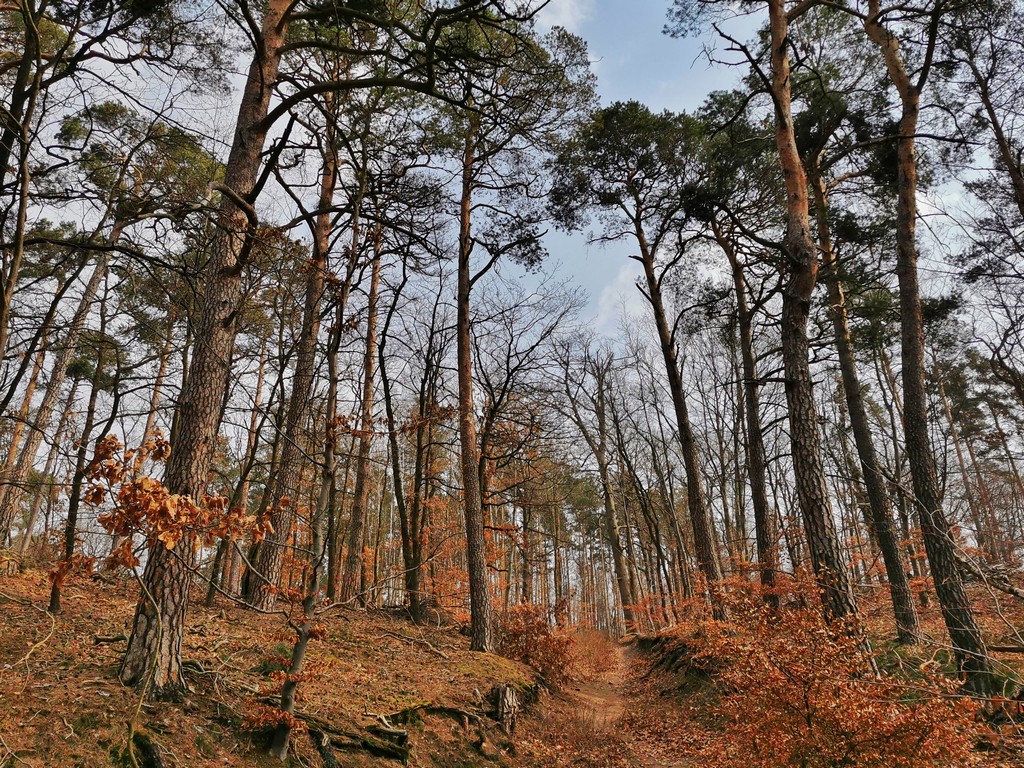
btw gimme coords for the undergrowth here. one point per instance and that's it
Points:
(793, 690)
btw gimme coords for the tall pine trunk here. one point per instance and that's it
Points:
(801, 258)
(476, 540)
(939, 540)
(153, 657)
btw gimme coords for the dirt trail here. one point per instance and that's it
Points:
(605, 701)
(602, 701)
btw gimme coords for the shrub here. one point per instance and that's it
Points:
(524, 634)
(795, 691)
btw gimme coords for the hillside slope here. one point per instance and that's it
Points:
(63, 703)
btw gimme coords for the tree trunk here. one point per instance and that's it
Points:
(704, 540)
(802, 261)
(765, 530)
(350, 581)
(311, 598)
(18, 428)
(880, 517)
(11, 501)
(48, 480)
(158, 382)
(17, 131)
(939, 540)
(262, 588)
(75, 492)
(476, 541)
(153, 658)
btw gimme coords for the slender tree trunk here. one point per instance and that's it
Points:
(407, 513)
(1008, 154)
(802, 265)
(598, 444)
(75, 492)
(21, 419)
(983, 536)
(311, 599)
(282, 734)
(158, 383)
(939, 541)
(17, 131)
(354, 562)
(11, 501)
(765, 531)
(476, 541)
(704, 540)
(880, 517)
(232, 579)
(262, 590)
(44, 491)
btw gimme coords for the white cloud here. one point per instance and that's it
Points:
(566, 13)
(620, 299)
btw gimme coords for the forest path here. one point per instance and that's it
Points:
(611, 703)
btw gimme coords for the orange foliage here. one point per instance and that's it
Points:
(524, 634)
(795, 691)
(142, 504)
(262, 717)
(65, 566)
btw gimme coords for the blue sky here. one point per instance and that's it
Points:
(633, 59)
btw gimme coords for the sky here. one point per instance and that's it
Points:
(633, 59)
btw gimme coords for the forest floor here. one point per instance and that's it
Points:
(628, 716)
(62, 704)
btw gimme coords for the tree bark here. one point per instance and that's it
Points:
(939, 540)
(802, 262)
(153, 658)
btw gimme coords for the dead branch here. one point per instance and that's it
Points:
(995, 579)
(418, 640)
(107, 639)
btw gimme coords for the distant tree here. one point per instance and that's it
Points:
(638, 171)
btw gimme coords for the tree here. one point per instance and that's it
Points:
(154, 651)
(799, 253)
(637, 169)
(939, 543)
(586, 384)
(519, 101)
